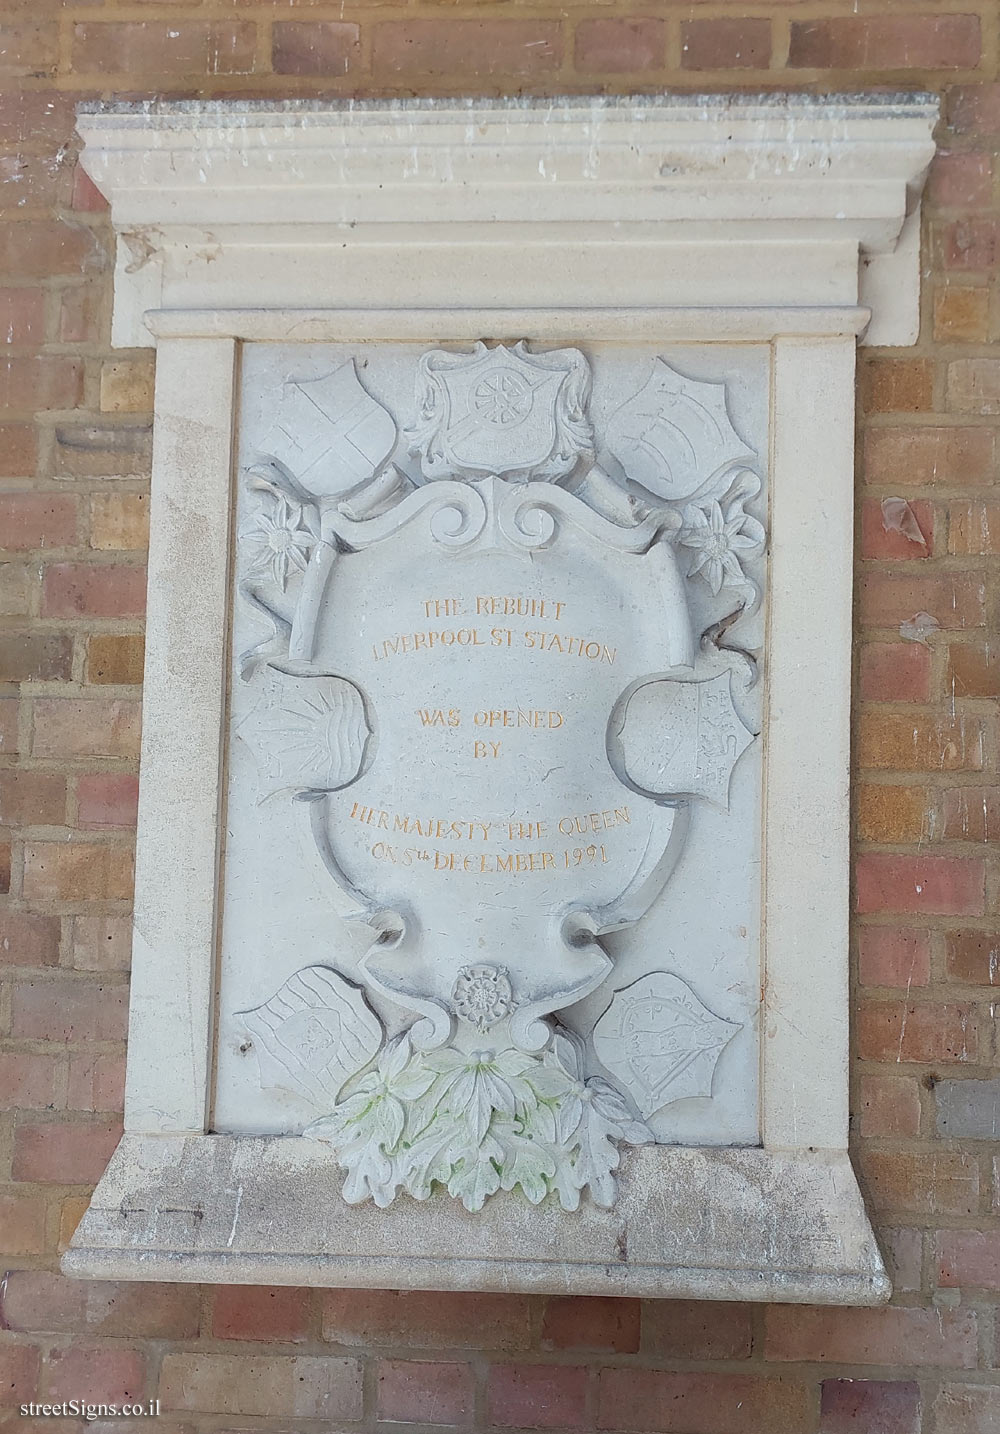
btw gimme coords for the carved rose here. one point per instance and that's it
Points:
(483, 995)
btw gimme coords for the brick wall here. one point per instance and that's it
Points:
(74, 462)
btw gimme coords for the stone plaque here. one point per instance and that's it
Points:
(491, 879)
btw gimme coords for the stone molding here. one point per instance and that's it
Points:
(733, 200)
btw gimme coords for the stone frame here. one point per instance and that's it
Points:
(539, 197)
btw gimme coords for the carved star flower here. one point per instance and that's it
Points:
(278, 541)
(716, 539)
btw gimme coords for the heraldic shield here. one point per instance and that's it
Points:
(473, 685)
(503, 411)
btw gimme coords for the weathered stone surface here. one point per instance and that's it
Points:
(737, 1224)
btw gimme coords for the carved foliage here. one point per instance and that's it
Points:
(480, 1121)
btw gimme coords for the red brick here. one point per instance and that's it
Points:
(974, 108)
(889, 1105)
(65, 1153)
(973, 671)
(22, 1224)
(41, 248)
(537, 1396)
(971, 814)
(968, 1257)
(424, 48)
(893, 956)
(77, 871)
(18, 450)
(94, 590)
(696, 1329)
(31, 798)
(106, 799)
(942, 885)
(967, 1409)
(27, 1080)
(422, 1392)
(87, 198)
(618, 46)
(80, 315)
(887, 1336)
(895, 672)
(852, 1406)
(943, 1184)
(165, 49)
(41, 381)
(106, 1375)
(652, 1401)
(960, 179)
(888, 599)
(38, 1301)
(29, 47)
(36, 520)
(19, 1366)
(973, 957)
(94, 727)
(902, 1247)
(22, 316)
(428, 1319)
(737, 44)
(33, 184)
(607, 1324)
(894, 528)
(904, 42)
(27, 939)
(35, 657)
(35, 117)
(897, 1031)
(69, 1010)
(925, 456)
(281, 1314)
(328, 47)
(96, 1083)
(896, 385)
(971, 244)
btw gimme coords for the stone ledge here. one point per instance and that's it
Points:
(727, 1224)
